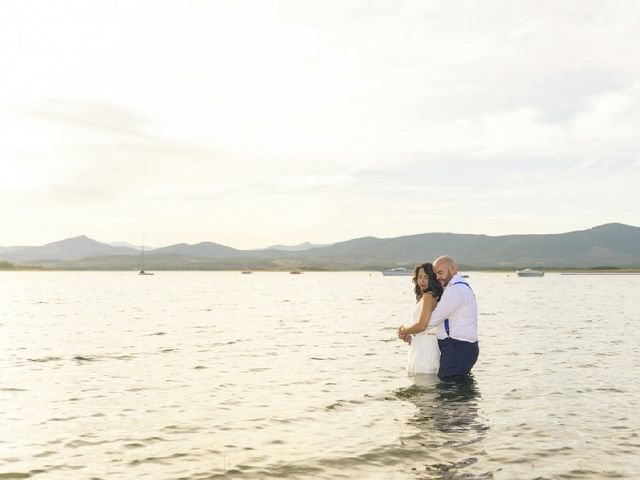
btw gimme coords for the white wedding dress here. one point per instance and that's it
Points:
(424, 353)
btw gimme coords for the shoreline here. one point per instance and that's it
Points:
(561, 271)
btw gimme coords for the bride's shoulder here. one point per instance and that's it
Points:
(429, 296)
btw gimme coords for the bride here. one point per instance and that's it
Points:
(424, 353)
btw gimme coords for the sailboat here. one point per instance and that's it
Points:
(142, 272)
(295, 271)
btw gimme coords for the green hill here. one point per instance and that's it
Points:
(612, 245)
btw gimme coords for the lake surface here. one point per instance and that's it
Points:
(207, 375)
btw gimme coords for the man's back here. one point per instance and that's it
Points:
(458, 305)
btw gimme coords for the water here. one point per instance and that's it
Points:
(205, 375)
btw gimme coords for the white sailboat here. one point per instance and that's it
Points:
(142, 272)
(397, 272)
(528, 272)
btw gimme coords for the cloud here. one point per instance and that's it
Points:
(91, 115)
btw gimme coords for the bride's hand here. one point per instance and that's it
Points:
(405, 337)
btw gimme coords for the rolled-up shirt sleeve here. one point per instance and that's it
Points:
(452, 299)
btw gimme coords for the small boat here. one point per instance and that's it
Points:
(142, 272)
(295, 272)
(397, 272)
(246, 272)
(528, 272)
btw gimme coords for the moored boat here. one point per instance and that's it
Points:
(528, 272)
(396, 272)
(142, 272)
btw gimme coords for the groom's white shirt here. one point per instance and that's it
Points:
(458, 304)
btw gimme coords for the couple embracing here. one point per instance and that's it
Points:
(444, 336)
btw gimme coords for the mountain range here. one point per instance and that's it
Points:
(612, 245)
(299, 247)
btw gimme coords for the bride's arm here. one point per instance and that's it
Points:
(428, 304)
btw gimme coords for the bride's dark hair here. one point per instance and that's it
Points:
(433, 286)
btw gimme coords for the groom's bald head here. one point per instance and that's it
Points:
(445, 268)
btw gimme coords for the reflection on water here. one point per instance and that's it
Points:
(446, 420)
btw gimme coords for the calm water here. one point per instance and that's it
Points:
(211, 375)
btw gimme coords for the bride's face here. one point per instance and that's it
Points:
(423, 279)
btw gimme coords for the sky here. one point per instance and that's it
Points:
(253, 123)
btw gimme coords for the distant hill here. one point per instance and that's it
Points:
(129, 245)
(69, 249)
(199, 250)
(297, 248)
(611, 245)
(10, 249)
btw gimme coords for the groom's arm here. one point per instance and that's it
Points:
(452, 299)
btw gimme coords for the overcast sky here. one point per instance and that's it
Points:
(254, 123)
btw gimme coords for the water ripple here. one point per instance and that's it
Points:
(169, 383)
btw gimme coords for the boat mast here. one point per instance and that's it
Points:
(142, 257)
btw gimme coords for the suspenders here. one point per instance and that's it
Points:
(446, 320)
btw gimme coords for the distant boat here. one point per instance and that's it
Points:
(527, 272)
(142, 272)
(246, 272)
(397, 272)
(295, 272)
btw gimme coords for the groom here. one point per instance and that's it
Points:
(457, 317)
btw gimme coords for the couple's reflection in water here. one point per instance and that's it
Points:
(446, 430)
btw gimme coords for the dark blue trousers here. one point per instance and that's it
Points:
(456, 357)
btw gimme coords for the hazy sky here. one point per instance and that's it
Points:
(253, 123)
